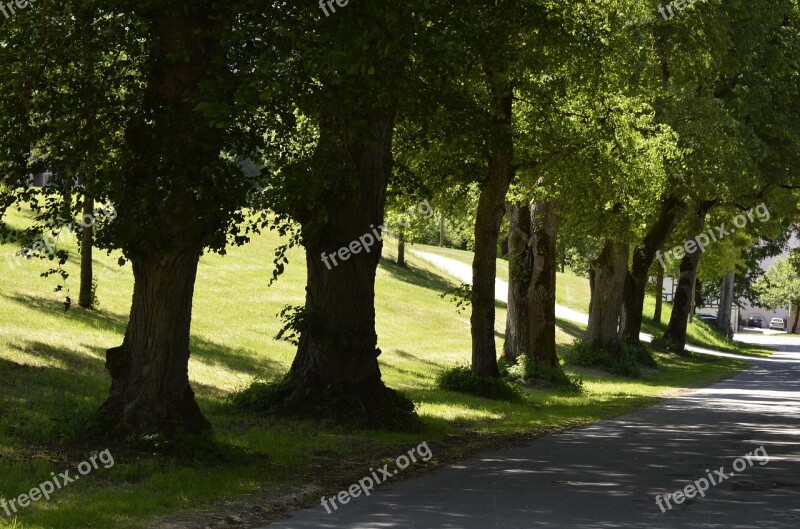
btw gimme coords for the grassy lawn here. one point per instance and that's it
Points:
(52, 374)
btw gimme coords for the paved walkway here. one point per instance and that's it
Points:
(609, 474)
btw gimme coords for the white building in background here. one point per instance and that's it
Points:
(784, 313)
(738, 314)
(40, 180)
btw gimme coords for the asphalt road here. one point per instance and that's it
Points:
(608, 475)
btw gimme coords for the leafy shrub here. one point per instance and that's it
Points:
(627, 363)
(527, 371)
(557, 377)
(641, 354)
(463, 380)
(667, 346)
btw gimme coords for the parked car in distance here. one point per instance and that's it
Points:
(710, 318)
(755, 321)
(776, 324)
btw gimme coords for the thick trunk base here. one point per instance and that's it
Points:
(122, 418)
(370, 405)
(608, 274)
(150, 391)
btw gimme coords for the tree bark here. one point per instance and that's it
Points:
(491, 208)
(338, 344)
(643, 257)
(675, 335)
(725, 302)
(150, 389)
(657, 313)
(607, 276)
(401, 247)
(532, 286)
(87, 242)
(164, 230)
(520, 268)
(542, 297)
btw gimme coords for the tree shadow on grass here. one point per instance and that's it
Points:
(414, 358)
(98, 319)
(439, 282)
(238, 360)
(423, 278)
(38, 401)
(576, 330)
(42, 403)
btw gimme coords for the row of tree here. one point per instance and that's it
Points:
(594, 118)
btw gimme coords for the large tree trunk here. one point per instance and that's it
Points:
(491, 208)
(401, 247)
(607, 275)
(532, 286)
(643, 257)
(725, 302)
(542, 291)
(520, 268)
(659, 297)
(150, 389)
(338, 346)
(163, 222)
(87, 242)
(675, 335)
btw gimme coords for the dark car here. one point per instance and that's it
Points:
(755, 321)
(710, 318)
